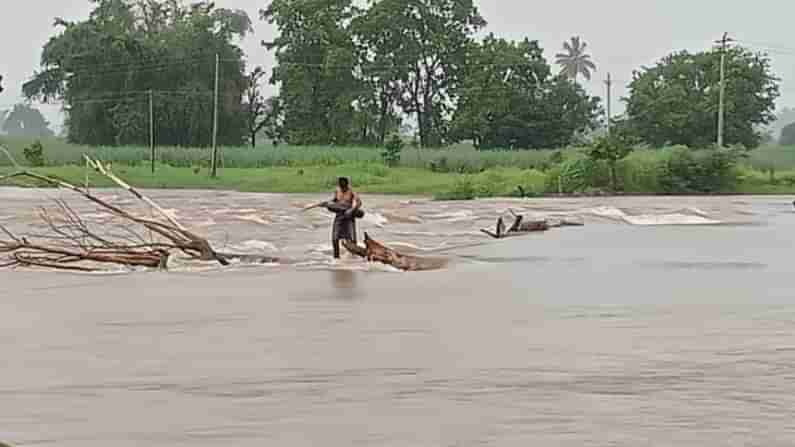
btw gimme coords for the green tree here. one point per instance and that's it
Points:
(676, 101)
(612, 148)
(374, 116)
(381, 72)
(508, 98)
(421, 45)
(787, 135)
(103, 67)
(575, 61)
(25, 121)
(262, 113)
(316, 58)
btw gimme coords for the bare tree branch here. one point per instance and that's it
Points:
(70, 241)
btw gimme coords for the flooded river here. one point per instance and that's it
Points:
(662, 321)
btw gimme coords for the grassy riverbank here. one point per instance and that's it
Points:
(371, 178)
(368, 178)
(452, 173)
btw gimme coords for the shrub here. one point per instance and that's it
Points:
(34, 154)
(611, 149)
(706, 171)
(392, 150)
(573, 175)
(491, 183)
(531, 184)
(439, 165)
(463, 189)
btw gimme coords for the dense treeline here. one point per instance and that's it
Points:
(350, 74)
(102, 69)
(354, 73)
(676, 101)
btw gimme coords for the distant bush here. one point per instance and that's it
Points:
(463, 189)
(572, 176)
(34, 154)
(705, 171)
(392, 150)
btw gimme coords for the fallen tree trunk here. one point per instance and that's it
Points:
(375, 251)
(521, 227)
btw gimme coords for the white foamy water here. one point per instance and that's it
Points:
(254, 246)
(256, 218)
(374, 219)
(455, 216)
(693, 217)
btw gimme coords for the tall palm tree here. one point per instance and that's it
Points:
(575, 61)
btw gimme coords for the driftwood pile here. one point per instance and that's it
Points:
(123, 238)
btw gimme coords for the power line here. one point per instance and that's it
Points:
(138, 70)
(91, 71)
(126, 67)
(104, 101)
(111, 95)
(766, 46)
(141, 62)
(153, 64)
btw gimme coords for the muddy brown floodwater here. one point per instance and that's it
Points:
(663, 321)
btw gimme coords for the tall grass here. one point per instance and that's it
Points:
(780, 158)
(458, 159)
(59, 153)
(462, 158)
(476, 173)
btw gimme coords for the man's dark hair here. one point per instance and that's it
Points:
(343, 182)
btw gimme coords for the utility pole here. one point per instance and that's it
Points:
(609, 83)
(152, 130)
(214, 161)
(723, 41)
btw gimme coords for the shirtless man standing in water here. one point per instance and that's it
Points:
(347, 206)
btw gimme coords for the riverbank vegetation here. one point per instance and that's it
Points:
(459, 172)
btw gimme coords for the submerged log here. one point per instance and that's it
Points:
(565, 223)
(376, 251)
(520, 227)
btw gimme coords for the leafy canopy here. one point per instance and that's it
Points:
(103, 67)
(676, 101)
(508, 98)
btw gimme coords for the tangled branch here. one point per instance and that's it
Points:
(72, 243)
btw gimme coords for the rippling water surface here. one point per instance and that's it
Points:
(628, 331)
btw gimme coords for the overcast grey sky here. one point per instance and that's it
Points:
(622, 34)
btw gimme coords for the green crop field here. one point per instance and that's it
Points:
(457, 172)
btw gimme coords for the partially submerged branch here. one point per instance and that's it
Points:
(71, 242)
(375, 251)
(520, 227)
